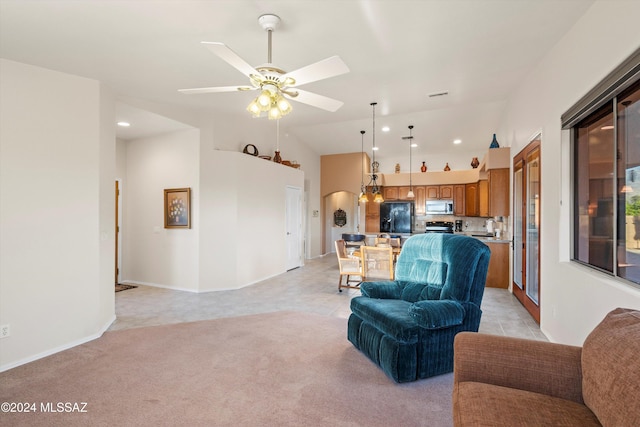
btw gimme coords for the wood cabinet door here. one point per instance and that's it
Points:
(499, 192)
(471, 199)
(483, 198)
(402, 193)
(459, 200)
(498, 273)
(373, 208)
(433, 192)
(420, 200)
(390, 193)
(446, 191)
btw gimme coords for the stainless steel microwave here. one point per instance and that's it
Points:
(439, 207)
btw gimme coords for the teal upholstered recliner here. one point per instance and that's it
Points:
(407, 326)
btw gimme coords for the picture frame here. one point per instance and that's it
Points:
(177, 208)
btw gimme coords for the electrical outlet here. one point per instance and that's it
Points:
(5, 331)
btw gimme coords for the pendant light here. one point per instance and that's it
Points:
(374, 165)
(410, 194)
(363, 190)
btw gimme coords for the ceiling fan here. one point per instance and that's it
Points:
(275, 84)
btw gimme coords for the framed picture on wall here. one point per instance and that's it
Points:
(177, 208)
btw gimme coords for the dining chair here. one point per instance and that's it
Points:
(349, 266)
(377, 262)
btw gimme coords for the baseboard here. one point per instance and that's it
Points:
(58, 349)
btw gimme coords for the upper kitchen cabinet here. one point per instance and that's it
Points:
(420, 200)
(390, 193)
(493, 194)
(483, 198)
(498, 180)
(435, 192)
(471, 199)
(459, 199)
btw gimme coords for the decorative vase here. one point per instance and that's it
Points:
(423, 168)
(397, 167)
(277, 157)
(494, 143)
(474, 162)
(447, 168)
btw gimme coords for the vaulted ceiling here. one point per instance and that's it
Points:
(398, 52)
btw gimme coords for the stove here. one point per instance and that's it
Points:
(438, 227)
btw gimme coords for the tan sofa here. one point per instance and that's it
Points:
(502, 381)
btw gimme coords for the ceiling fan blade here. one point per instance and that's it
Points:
(318, 101)
(330, 67)
(225, 53)
(215, 89)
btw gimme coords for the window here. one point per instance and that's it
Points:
(606, 165)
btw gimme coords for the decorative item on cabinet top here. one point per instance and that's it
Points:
(447, 168)
(423, 168)
(494, 142)
(250, 149)
(474, 162)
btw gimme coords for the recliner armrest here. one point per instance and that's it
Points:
(537, 366)
(437, 314)
(381, 290)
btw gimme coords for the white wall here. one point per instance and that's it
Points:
(56, 213)
(152, 254)
(230, 133)
(243, 218)
(573, 298)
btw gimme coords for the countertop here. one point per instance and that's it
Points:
(480, 235)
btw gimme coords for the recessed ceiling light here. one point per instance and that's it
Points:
(457, 141)
(386, 129)
(375, 148)
(414, 145)
(124, 124)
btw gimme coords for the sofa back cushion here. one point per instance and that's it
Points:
(611, 369)
(457, 264)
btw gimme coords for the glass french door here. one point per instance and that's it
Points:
(526, 227)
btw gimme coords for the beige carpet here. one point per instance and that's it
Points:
(276, 369)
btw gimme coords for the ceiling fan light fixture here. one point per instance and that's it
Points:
(283, 105)
(254, 108)
(275, 113)
(264, 100)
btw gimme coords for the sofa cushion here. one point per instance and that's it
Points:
(480, 404)
(610, 367)
(437, 314)
(388, 316)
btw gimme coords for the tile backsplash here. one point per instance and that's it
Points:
(469, 223)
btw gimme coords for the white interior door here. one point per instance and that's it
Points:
(293, 221)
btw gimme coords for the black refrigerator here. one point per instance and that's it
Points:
(396, 217)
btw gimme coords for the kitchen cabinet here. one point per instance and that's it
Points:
(483, 198)
(435, 192)
(498, 180)
(446, 191)
(471, 199)
(372, 215)
(420, 200)
(459, 200)
(402, 193)
(390, 193)
(498, 273)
